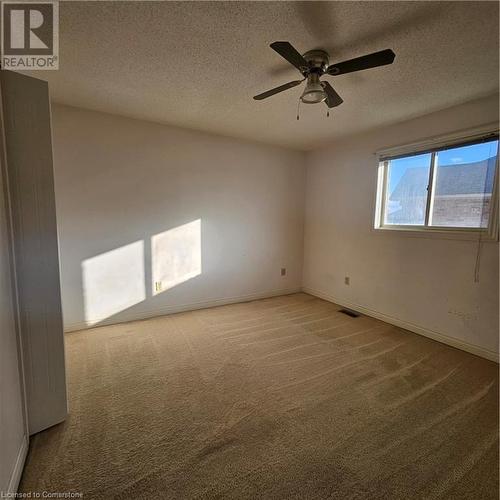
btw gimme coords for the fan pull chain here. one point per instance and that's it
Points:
(298, 109)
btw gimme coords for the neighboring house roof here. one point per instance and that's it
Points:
(466, 178)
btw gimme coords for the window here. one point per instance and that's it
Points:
(448, 187)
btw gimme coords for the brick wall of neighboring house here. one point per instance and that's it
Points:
(465, 210)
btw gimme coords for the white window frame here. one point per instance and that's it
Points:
(432, 146)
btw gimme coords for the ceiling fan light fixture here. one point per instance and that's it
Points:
(314, 92)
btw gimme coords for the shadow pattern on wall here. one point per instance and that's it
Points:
(117, 280)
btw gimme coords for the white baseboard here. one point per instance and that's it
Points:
(162, 311)
(440, 337)
(18, 467)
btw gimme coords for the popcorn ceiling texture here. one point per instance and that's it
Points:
(198, 64)
(276, 398)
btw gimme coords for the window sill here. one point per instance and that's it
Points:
(438, 233)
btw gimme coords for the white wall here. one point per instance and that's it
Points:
(215, 218)
(421, 283)
(13, 433)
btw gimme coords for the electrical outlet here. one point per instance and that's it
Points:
(283, 271)
(347, 280)
(158, 286)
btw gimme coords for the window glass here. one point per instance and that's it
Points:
(463, 186)
(406, 193)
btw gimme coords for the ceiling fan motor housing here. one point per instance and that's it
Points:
(318, 62)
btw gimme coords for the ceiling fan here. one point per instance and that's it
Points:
(314, 64)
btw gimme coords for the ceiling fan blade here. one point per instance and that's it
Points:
(364, 62)
(332, 98)
(286, 50)
(276, 90)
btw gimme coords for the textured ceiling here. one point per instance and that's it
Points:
(198, 64)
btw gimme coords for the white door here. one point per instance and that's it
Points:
(13, 429)
(30, 181)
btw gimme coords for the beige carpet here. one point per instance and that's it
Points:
(277, 398)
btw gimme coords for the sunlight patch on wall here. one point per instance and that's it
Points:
(113, 281)
(176, 256)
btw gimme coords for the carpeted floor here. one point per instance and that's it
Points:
(275, 399)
